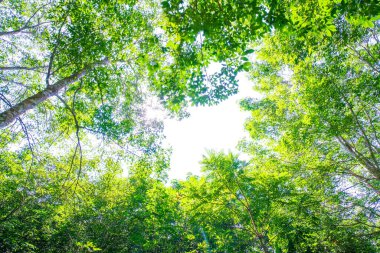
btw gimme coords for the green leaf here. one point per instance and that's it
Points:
(247, 66)
(249, 51)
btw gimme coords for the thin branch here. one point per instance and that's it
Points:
(371, 123)
(6, 101)
(246, 206)
(25, 130)
(54, 52)
(22, 29)
(363, 59)
(15, 68)
(78, 146)
(26, 25)
(363, 160)
(366, 139)
(23, 51)
(364, 180)
(14, 82)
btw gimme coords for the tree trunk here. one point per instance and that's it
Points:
(8, 116)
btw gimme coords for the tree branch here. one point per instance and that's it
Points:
(26, 25)
(22, 29)
(363, 160)
(54, 52)
(29, 103)
(15, 68)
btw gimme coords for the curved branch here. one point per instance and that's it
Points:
(26, 25)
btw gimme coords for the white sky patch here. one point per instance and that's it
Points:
(217, 128)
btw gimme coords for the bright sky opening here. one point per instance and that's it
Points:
(218, 127)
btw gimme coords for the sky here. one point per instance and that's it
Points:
(218, 127)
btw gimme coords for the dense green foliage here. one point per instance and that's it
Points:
(83, 169)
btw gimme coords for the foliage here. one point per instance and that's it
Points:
(83, 169)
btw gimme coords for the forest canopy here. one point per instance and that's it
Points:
(76, 80)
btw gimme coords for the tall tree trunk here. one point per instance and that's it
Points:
(11, 114)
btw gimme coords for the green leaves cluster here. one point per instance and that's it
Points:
(312, 180)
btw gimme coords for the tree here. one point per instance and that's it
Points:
(227, 28)
(318, 117)
(119, 214)
(325, 101)
(75, 77)
(32, 198)
(85, 67)
(265, 206)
